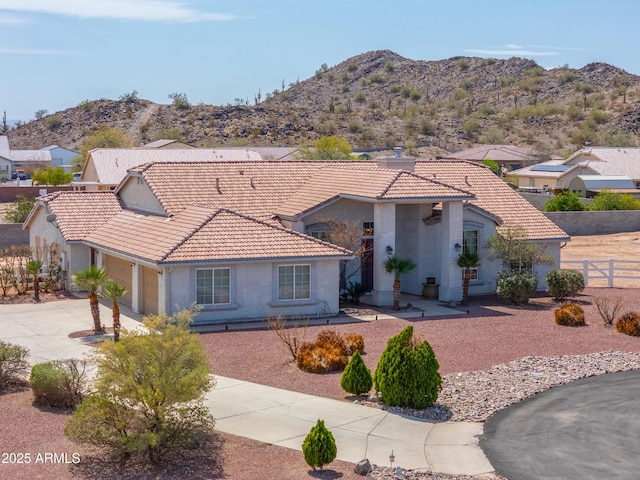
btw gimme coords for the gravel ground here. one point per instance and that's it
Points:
(490, 357)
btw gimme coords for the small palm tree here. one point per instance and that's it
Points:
(398, 266)
(113, 291)
(91, 279)
(467, 260)
(33, 267)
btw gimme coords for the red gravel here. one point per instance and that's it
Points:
(490, 334)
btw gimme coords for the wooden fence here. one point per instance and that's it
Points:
(607, 271)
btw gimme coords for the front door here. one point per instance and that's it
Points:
(366, 264)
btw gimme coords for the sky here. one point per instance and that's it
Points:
(54, 54)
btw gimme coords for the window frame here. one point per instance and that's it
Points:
(294, 284)
(475, 272)
(214, 285)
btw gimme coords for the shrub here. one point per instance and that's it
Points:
(319, 446)
(564, 283)
(570, 314)
(629, 324)
(60, 383)
(407, 373)
(564, 202)
(608, 307)
(516, 287)
(53, 122)
(356, 377)
(13, 363)
(328, 352)
(354, 343)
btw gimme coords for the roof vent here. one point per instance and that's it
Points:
(397, 152)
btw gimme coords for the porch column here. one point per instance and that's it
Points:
(384, 227)
(450, 273)
(135, 287)
(162, 289)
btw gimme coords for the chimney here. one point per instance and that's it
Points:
(398, 161)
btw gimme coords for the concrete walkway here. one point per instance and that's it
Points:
(269, 414)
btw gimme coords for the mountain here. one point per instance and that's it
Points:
(379, 99)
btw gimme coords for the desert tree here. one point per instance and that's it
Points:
(91, 279)
(398, 266)
(148, 392)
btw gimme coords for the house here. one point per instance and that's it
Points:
(105, 168)
(511, 157)
(243, 238)
(27, 161)
(61, 157)
(610, 163)
(167, 143)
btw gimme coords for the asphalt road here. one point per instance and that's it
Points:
(587, 429)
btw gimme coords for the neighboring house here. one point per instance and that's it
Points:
(27, 161)
(588, 186)
(511, 157)
(105, 168)
(239, 237)
(611, 163)
(167, 144)
(61, 157)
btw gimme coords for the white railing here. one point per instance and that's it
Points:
(608, 270)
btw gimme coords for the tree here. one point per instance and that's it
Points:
(564, 202)
(113, 291)
(356, 377)
(106, 137)
(52, 176)
(326, 148)
(148, 391)
(407, 373)
(91, 279)
(40, 114)
(33, 267)
(492, 165)
(511, 245)
(467, 260)
(608, 200)
(585, 89)
(20, 209)
(319, 446)
(398, 266)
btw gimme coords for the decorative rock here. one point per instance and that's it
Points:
(363, 467)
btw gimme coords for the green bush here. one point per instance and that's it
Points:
(60, 383)
(319, 446)
(564, 283)
(571, 315)
(516, 287)
(13, 363)
(407, 373)
(564, 202)
(629, 324)
(356, 377)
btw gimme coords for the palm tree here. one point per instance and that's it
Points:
(398, 266)
(91, 279)
(113, 291)
(33, 267)
(467, 260)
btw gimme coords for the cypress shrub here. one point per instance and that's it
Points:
(319, 447)
(407, 374)
(356, 377)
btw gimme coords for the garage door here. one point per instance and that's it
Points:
(120, 271)
(149, 290)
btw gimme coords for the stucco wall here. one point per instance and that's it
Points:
(596, 223)
(140, 197)
(13, 234)
(254, 292)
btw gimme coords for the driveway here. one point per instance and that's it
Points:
(587, 429)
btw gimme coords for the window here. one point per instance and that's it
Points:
(367, 229)
(320, 235)
(470, 245)
(213, 286)
(294, 282)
